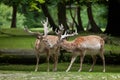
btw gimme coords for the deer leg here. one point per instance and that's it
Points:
(94, 61)
(72, 61)
(103, 59)
(48, 57)
(55, 62)
(81, 62)
(37, 59)
(56, 58)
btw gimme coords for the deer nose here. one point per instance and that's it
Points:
(49, 45)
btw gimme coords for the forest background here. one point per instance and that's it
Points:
(90, 15)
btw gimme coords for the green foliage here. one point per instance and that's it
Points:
(31, 15)
(33, 19)
(20, 20)
(41, 1)
(100, 14)
(6, 16)
(14, 2)
(34, 7)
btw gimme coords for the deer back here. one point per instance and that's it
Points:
(91, 42)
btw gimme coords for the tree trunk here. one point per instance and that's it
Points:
(14, 14)
(47, 14)
(94, 27)
(113, 18)
(73, 18)
(80, 27)
(62, 15)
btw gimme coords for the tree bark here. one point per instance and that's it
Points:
(94, 27)
(80, 27)
(113, 18)
(74, 21)
(47, 14)
(62, 15)
(14, 14)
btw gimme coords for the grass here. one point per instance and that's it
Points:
(23, 72)
(25, 42)
(19, 31)
(58, 76)
(61, 67)
(16, 39)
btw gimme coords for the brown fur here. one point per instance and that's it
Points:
(41, 47)
(79, 46)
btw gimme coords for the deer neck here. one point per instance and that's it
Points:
(68, 45)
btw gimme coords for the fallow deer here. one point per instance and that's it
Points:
(82, 45)
(42, 48)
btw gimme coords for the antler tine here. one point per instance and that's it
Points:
(56, 31)
(30, 32)
(64, 35)
(67, 35)
(26, 29)
(60, 30)
(76, 33)
(45, 24)
(61, 27)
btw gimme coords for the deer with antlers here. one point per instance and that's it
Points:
(82, 45)
(41, 45)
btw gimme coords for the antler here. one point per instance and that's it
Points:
(30, 32)
(67, 35)
(45, 24)
(60, 31)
